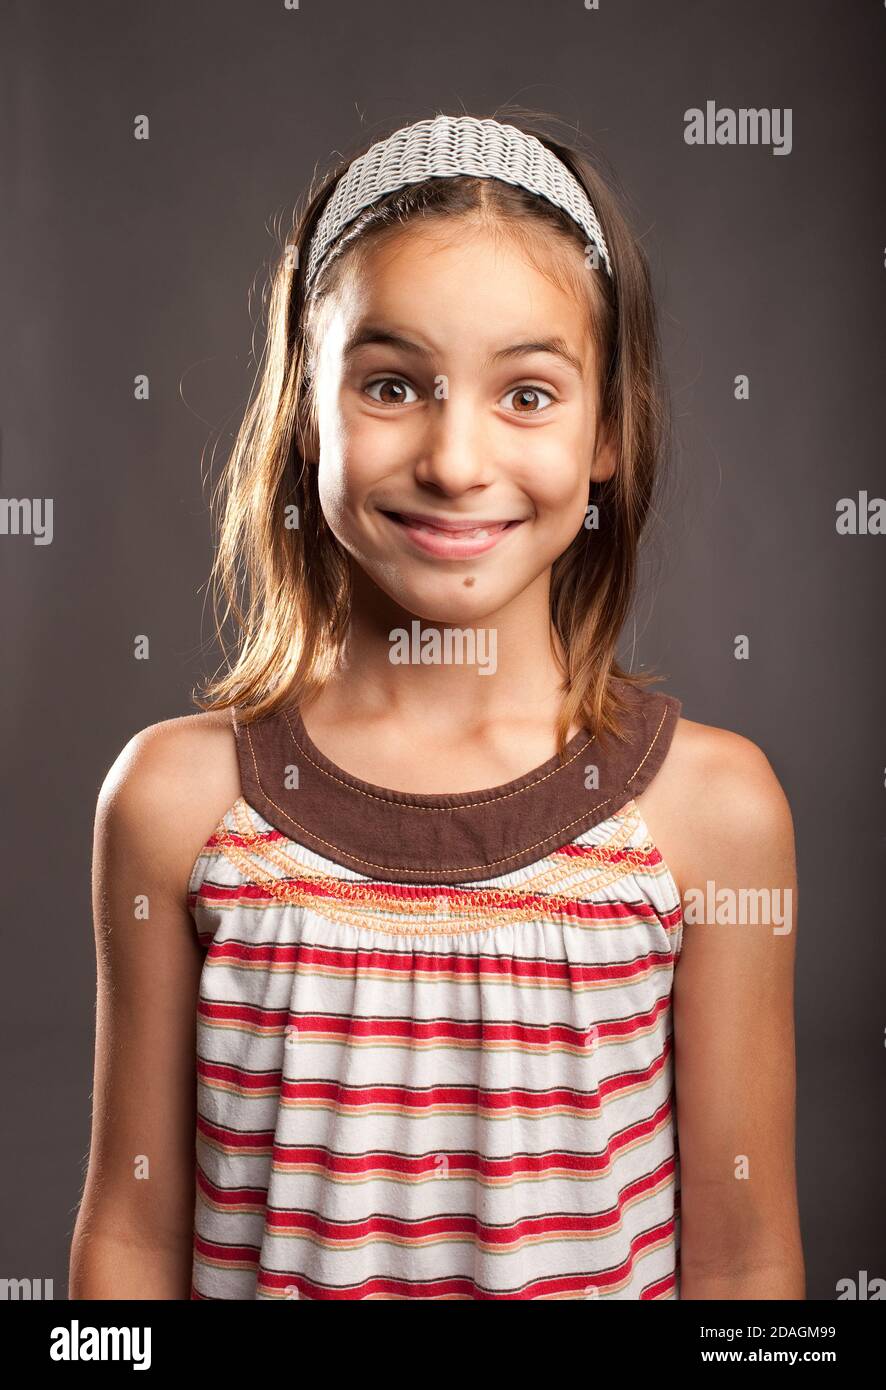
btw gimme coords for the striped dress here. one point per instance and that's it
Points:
(434, 1033)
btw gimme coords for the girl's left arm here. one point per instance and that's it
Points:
(734, 1031)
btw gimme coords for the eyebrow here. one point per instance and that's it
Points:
(556, 347)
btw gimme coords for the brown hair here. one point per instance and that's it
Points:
(286, 588)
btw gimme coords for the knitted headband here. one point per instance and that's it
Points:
(445, 147)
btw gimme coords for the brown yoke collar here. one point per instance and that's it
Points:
(460, 837)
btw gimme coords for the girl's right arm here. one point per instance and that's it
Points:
(158, 805)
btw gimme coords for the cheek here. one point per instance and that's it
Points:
(333, 492)
(356, 447)
(556, 474)
(343, 466)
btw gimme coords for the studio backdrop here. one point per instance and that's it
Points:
(151, 155)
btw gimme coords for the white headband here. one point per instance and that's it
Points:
(446, 147)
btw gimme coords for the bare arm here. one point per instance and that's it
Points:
(134, 1228)
(734, 1035)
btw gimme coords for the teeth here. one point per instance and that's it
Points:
(481, 532)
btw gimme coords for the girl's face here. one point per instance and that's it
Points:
(456, 395)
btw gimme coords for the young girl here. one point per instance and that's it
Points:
(396, 933)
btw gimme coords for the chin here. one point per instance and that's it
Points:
(449, 600)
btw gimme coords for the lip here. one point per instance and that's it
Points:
(449, 543)
(445, 523)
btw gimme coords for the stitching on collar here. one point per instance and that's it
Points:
(460, 806)
(436, 869)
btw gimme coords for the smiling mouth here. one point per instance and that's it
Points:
(456, 530)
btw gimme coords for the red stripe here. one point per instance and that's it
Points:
(418, 962)
(661, 1288)
(345, 1028)
(226, 1254)
(513, 1166)
(250, 1141)
(408, 1166)
(231, 1197)
(466, 1226)
(416, 1098)
(579, 1285)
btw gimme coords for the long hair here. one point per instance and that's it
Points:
(281, 580)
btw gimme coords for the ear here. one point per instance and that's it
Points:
(605, 458)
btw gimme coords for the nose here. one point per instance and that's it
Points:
(455, 454)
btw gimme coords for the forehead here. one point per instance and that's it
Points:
(465, 287)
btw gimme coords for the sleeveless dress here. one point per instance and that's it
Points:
(434, 1032)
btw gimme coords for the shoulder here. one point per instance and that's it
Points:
(725, 772)
(167, 790)
(189, 758)
(716, 804)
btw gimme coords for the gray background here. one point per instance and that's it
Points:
(121, 257)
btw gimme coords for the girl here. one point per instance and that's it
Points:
(419, 877)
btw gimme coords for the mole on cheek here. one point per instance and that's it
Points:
(469, 581)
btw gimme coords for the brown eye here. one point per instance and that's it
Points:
(396, 389)
(528, 400)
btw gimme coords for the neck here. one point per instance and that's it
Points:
(471, 673)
